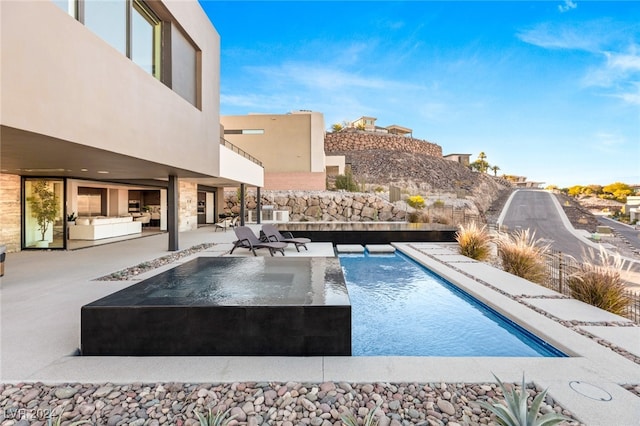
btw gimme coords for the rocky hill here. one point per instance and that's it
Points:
(426, 175)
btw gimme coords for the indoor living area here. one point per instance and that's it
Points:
(63, 213)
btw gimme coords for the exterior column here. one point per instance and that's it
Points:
(242, 208)
(258, 206)
(172, 213)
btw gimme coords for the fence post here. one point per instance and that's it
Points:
(560, 275)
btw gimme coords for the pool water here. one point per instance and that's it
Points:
(400, 308)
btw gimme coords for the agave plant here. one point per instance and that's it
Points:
(218, 419)
(58, 421)
(369, 420)
(516, 412)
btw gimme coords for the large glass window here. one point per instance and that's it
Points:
(108, 19)
(184, 66)
(145, 39)
(43, 213)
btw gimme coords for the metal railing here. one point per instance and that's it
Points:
(239, 151)
(560, 266)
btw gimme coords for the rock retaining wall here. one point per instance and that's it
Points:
(323, 206)
(365, 141)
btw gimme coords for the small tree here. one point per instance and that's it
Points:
(495, 170)
(336, 127)
(44, 205)
(481, 163)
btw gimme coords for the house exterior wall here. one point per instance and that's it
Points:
(290, 147)
(61, 80)
(301, 181)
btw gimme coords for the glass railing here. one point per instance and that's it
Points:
(239, 151)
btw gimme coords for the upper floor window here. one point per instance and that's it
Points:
(137, 30)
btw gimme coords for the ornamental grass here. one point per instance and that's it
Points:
(474, 242)
(521, 254)
(598, 282)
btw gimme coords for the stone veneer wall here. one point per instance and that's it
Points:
(366, 141)
(10, 212)
(187, 205)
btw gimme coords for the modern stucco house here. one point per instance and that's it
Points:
(290, 146)
(109, 107)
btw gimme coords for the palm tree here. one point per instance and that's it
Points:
(495, 170)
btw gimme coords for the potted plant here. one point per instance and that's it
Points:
(44, 207)
(71, 218)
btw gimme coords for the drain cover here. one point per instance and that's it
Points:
(590, 391)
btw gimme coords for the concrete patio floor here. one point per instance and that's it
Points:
(42, 292)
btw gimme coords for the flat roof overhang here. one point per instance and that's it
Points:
(31, 154)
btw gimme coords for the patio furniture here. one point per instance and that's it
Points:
(247, 239)
(223, 224)
(273, 234)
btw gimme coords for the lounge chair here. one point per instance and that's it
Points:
(272, 234)
(224, 224)
(247, 239)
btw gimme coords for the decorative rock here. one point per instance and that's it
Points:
(446, 407)
(65, 393)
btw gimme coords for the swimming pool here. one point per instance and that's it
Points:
(400, 308)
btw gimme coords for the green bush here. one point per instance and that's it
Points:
(474, 242)
(522, 255)
(598, 282)
(346, 182)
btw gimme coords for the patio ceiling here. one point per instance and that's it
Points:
(30, 154)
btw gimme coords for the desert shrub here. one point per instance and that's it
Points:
(346, 182)
(415, 201)
(438, 204)
(598, 282)
(521, 254)
(418, 217)
(473, 241)
(438, 218)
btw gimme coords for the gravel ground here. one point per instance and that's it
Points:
(254, 404)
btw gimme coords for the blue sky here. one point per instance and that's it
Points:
(547, 89)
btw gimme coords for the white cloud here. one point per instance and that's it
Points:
(608, 142)
(567, 6)
(550, 36)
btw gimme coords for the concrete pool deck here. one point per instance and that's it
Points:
(42, 292)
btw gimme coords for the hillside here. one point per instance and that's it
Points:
(426, 175)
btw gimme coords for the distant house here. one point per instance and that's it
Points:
(290, 146)
(633, 208)
(368, 124)
(458, 158)
(522, 182)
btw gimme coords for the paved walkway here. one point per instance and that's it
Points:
(42, 292)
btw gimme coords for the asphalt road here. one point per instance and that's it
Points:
(631, 234)
(536, 210)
